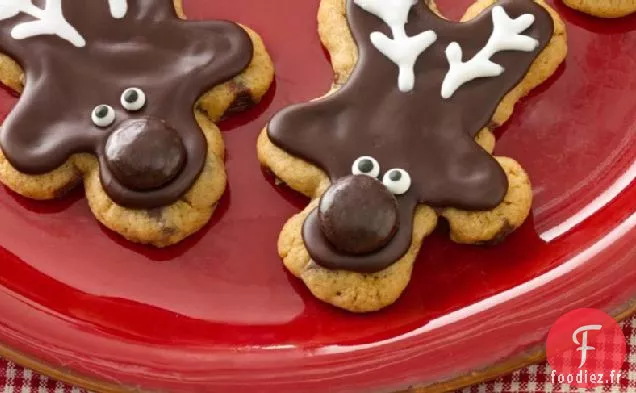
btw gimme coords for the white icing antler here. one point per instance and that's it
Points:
(506, 35)
(118, 8)
(401, 49)
(49, 21)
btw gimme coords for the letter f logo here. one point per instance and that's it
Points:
(584, 348)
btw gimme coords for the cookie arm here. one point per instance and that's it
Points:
(40, 143)
(472, 178)
(235, 53)
(296, 128)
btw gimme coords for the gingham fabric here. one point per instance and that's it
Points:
(536, 379)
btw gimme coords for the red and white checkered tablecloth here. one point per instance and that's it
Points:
(15, 379)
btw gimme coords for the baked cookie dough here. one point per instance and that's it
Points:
(123, 95)
(603, 8)
(355, 244)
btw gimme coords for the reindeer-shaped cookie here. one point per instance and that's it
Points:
(404, 136)
(124, 94)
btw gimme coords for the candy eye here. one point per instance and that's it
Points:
(366, 165)
(398, 181)
(103, 115)
(133, 99)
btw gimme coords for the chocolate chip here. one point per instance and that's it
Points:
(358, 215)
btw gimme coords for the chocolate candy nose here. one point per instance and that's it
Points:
(145, 154)
(358, 215)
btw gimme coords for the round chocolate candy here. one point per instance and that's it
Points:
(358, 215)
(145, 154)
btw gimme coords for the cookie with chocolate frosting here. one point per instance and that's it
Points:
(604, 8)
(404, 137)
(124, 95)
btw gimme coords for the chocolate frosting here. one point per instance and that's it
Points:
(419, 131)
(173, 61)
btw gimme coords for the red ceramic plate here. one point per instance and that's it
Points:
(219, 313)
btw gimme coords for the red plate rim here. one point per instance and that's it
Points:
(537, 302)
(602, 275)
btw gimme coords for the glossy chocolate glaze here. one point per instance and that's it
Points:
(173, 61)
(419, 131)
